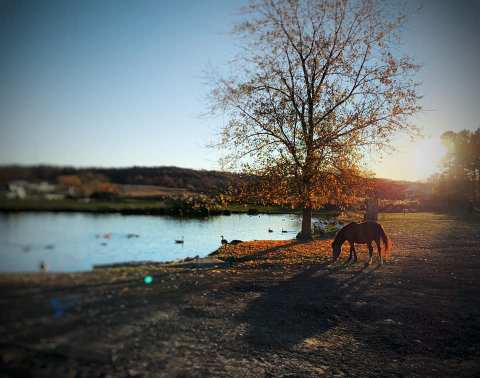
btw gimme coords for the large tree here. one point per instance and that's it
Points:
(317, 84)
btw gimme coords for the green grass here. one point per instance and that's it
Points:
(137, 206)
(239, 208)
(121, 205)
(73, 205)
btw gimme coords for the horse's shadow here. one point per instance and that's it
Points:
(310, 303)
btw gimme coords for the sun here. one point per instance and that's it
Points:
(426, 155)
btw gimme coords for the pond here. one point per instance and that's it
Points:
(69, 242)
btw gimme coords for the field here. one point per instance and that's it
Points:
(275, 309)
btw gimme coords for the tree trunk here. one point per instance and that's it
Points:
(306, 233)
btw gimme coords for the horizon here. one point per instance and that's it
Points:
(100, 84)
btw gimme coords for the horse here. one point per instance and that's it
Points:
(363, 233)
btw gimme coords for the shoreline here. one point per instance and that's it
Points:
(145, 207)
(134, 207)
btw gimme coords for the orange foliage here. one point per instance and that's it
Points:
(285, 252)
(69, 180)
(106, 187)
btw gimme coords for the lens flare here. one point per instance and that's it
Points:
(148, 280)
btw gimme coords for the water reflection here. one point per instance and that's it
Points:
(77, 241)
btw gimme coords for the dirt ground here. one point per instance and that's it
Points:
(280, 309)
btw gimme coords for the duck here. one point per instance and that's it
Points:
(179, 241)
(284, 231)
(223, 241)
(270, 230)
(43, 266)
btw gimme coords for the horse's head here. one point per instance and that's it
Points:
(336, 249)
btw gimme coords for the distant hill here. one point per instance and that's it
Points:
(399, 189)
(167, 177)
(203, 181)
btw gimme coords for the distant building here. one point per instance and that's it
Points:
(43, 187)
(22, 189)
(17, 190)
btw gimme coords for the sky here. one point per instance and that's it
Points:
(121, 83)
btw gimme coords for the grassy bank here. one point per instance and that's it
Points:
(131, 206)
(97, 206)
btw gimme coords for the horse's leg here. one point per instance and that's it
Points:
(352, 246)
(379, 249)
(370, 253)
(350, 257)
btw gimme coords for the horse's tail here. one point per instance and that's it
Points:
(386, 241)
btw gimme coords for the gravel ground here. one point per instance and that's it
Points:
(279, 309)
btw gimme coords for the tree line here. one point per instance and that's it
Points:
(458, 182)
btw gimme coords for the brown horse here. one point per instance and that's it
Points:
(363, 233)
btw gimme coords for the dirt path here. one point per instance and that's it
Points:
(279, 310)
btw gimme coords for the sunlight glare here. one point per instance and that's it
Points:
(427, 155)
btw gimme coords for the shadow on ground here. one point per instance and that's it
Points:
(309, 304)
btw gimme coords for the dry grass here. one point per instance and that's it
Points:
(286, 252)
(273, 252)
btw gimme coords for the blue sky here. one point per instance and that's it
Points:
(120, 83)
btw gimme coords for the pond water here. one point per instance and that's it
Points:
(69, 242)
